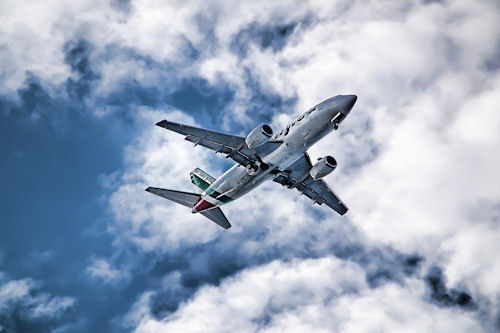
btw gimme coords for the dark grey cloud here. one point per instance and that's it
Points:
(444, 296)
(121, 5)
(262, 104)
(493, 63)
(77, 56)
(272, 37)
(26, 307)
(34, 97)
(205, 102)
(428, 2)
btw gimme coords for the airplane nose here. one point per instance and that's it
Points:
(349, 101)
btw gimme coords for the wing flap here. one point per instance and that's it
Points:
(219, 147)
(321, 193)
(208, 138)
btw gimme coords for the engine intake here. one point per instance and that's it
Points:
(258, 136)
(323, 167)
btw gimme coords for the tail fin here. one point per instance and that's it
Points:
(201, 179)
(189, 200)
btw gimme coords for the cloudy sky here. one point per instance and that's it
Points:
(84, 249)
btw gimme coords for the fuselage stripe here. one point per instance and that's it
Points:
(199, 182)
(216, 195)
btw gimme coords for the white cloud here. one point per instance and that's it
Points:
(150, 31)
(474, 257)
(46, 306)
(418, 155)
(398, 63)
(34, 35)
(101, 269)
(13, 291)
(317, 295)
(139, 310)
(30, 302)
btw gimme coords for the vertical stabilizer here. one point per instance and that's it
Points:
(201, 179)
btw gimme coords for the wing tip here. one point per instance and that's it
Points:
(162, 123)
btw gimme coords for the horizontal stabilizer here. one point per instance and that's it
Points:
(217, 216)
(189, 200)
(184, 198)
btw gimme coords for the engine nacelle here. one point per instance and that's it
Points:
(323, 167)
(258, 136)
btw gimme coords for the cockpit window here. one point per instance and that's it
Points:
(311, 110)
(301, 117)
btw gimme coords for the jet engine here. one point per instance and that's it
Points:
(258, 136)
(323, 167)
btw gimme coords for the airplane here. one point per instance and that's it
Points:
(261, 156)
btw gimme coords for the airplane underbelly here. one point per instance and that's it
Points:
(285, 156)
(236, 182)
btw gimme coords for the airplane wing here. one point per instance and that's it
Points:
(297, 176)
(232, 146)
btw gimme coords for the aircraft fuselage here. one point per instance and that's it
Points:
(296, 138)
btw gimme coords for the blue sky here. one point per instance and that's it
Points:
(83, 247)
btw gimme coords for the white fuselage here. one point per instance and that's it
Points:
(297, 137)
